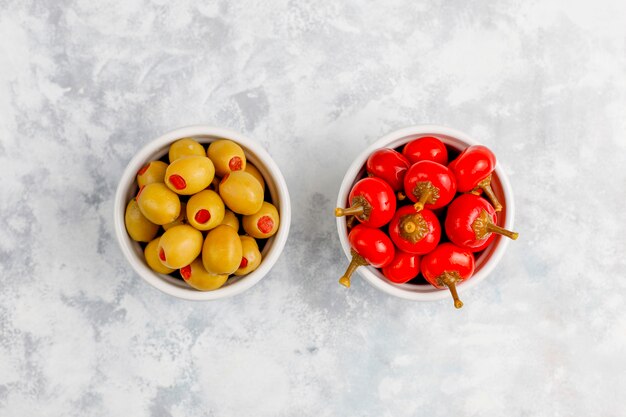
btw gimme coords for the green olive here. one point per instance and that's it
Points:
(138, 227)
(241, 192)
(221, 252)
(263, 223)
(227, 156)
(181, 219)
(158, 203)
(179, 246)
(185, 147)
(252, 170)
(205, 210)
(199, 278)
(151, 253)
(230, 219)
(189, 175)
(153, 171)
(251, 257)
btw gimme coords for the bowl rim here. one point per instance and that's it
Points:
(368, 272)
(128, 178)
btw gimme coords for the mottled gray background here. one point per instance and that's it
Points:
(84, 84)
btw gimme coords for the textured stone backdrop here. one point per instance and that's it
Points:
(84, 84)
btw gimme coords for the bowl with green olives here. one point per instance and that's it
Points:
(202, 213)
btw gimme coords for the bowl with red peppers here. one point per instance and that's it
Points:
(424, 213)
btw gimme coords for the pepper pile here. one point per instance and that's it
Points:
(402, 203)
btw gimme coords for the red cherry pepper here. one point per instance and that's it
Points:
(372, 202)
(388, 165)
(472, 169)
(403, 268)
(430, 185)
(415, 231)
(446, 266)
(471, 222)
(369, 247)
(427, 148)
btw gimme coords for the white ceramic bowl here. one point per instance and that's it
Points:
(276, 186)
(488, 259)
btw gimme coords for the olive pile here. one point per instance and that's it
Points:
(198, 201)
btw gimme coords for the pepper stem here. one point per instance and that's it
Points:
(413, 227)
(449, 279)
(409, 227)
(350, 211)
(483, 225)
(492, 227)
(419, 206)
(360, 208)
(401, 195)
(457, 303)
(357, 261)
(425, 192)
(350, 222)
(485, 185)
